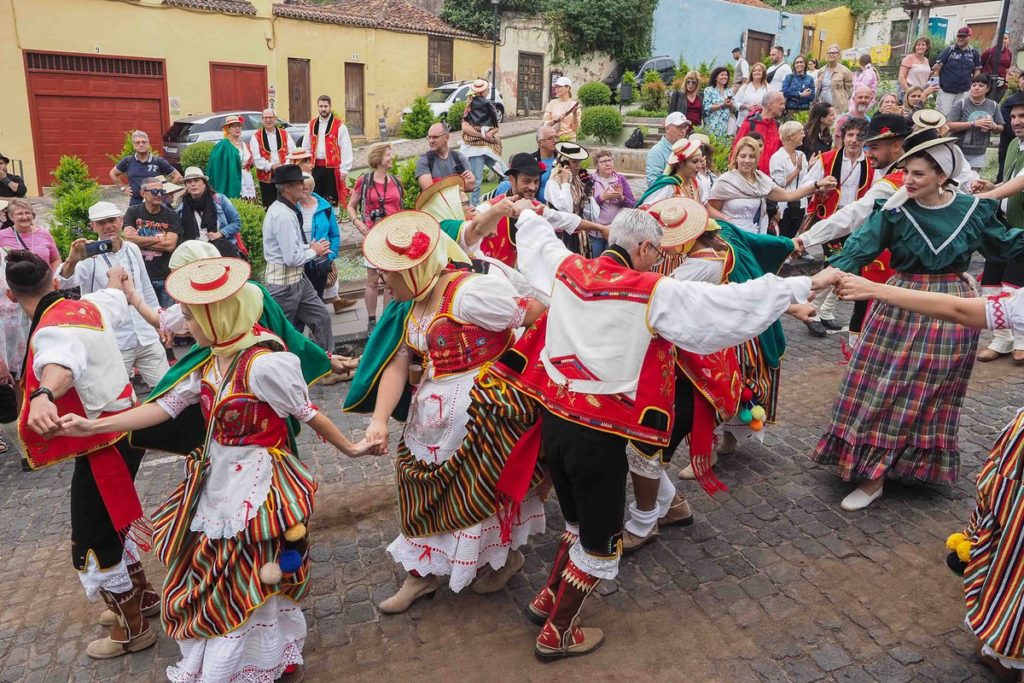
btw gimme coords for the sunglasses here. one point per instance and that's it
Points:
(158, 192)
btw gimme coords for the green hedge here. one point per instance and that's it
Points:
(416, 122)
(197, 154)
(602, 123)
(594, 94)
(252, 234)
(455, 116)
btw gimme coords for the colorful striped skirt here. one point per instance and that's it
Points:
(994, 578)
(898, 409)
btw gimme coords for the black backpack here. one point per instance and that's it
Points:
(636, 139)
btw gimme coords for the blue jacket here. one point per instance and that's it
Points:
(325, 225)
(793, 86)
(229, 223)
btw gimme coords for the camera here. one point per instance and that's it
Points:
(377, 214)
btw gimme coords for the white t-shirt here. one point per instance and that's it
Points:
(780, 71)
(781, 166)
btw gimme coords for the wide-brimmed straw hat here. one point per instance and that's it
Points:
(231, 120)
(207, 281)
(682, 149)
(401, 241)
(298, 154)
(480, 87)
(682, 220)
(571, 150)
(437, 188)
(194, 173)
(929, 118)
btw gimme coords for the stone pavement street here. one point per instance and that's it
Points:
(772, 583)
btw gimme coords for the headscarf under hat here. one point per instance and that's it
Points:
(230, 323)
(192, 250)
(420, 279)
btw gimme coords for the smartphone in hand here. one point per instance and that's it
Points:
(100, 247)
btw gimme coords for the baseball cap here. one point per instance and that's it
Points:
(964, 31)
(101, 210)
(676, 118)
(563, 81)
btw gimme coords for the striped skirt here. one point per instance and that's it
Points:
(898, 409)
(994, 578)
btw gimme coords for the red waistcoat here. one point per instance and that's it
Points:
(39, 451)
(239, 417)
(282, 152)
(333, 150)
(648, 415)
(832, 162)
(456, 346)
(879, 270)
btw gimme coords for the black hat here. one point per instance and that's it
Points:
(886, 127)
(4, 159)
(288, 173)
(524, 162)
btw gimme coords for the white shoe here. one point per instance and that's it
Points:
(858, 499)
(687, 472)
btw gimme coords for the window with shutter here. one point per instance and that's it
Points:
(439, 61)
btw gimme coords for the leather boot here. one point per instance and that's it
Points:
(539, 609)
(493, 580)
(562, 636)
(413, 588)
(150, 605)
(130, 632)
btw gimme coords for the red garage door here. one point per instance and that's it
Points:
(82, 105)
(238, 86)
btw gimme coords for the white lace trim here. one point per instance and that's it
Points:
(173, 404)
(94, 579)
(249, 674)
(1008, 662)
(522, 306)
(307, 413)
(234, 523)
(642, 465)
(600, 567)
(462, 554)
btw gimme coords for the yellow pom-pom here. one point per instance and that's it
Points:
(963, 551)
(295, 533)
(955, 540)
(270, 574)
(756, 425)
(758, 413)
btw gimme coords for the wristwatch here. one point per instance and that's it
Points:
(40, 392)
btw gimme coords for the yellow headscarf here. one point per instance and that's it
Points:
(421, 278)
(230, 323)
(192, 250)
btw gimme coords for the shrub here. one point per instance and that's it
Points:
(405, 171)
(197, 154)
(416, 122)
(652, 94)
(652, 77)
(649, 113)
(75, 191)
(252, 234)
(594, 94)
(602, 122)
(71, 173)
(628, 78)
(455, 115)
(127, 149)
(800, 116)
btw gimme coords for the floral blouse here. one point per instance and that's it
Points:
(716, 122)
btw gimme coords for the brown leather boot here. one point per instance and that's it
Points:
(562, 636)
(539, 609)
(150, 605)
(131, 631)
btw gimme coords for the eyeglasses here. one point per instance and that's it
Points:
(660, 253)
(691, 82)
(833, 54)
(158, 192)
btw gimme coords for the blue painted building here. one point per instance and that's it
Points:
(708, 30)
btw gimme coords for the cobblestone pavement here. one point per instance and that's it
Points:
(773, 582)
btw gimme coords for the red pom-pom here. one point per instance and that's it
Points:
(747, 394)
(543, 166)
(418, 246)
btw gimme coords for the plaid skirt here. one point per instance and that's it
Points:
(898, 409)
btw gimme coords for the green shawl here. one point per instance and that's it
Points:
(188, 431)
(663, 181)
(383, 344)
(754, 256)
(224, 169)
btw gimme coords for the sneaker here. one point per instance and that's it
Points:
(816, 328)
(831, 325)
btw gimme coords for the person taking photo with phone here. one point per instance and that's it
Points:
(86, 267)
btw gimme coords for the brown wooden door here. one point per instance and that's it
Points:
(298, 90)
(530, 83)
(758, 45)
(984, 32)
(238, 86)
(354, 98)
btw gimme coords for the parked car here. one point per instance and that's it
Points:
(663, 64)
(441, 98)
(209, 128)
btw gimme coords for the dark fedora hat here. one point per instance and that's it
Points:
(524, 162)
(886, 127)
(288, 173)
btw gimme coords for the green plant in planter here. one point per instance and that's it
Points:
(197, 154)
(454, 119)
(416, 122)
(628, 78)
(252, 234)
(594, 94)
(75, 192)
(603, 123)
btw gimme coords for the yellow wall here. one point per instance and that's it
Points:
(395, 71)
(838, 24)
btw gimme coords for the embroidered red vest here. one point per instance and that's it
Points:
(831, 162)
(240, 418)
(646, 416)
(333, 150)
(879, 269)
(456, 346)
(39, 451)
(502, 244)
(282, 152)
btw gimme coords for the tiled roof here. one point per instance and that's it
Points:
(390, 15)
(228, 6)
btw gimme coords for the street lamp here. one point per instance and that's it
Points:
(494, 52)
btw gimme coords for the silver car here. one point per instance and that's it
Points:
(441, 98)
(210, 128)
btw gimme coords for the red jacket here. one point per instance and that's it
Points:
(768, 129)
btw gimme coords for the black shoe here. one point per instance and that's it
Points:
(816, 328)
(831, 325)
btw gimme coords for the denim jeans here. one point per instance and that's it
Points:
(597, 245)
(476, 165)
(165, 299)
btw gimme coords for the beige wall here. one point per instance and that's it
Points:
(395, 71)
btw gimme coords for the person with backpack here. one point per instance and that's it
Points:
(209, 216)
(377, 193)
(955, 67)
(440, 161)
